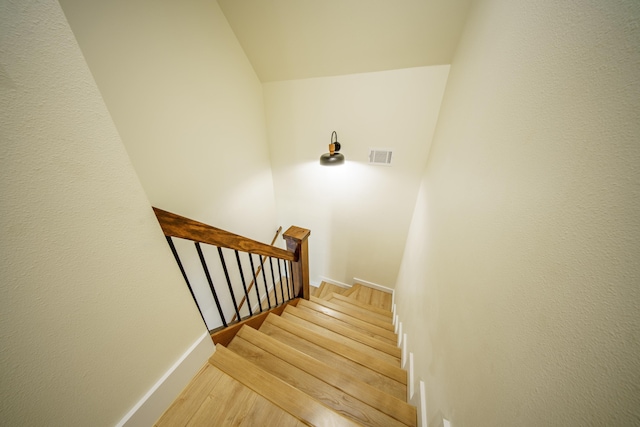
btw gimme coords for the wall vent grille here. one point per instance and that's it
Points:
(380, 156)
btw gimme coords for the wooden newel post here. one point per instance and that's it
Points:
(296, 239)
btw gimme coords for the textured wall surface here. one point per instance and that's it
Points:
(187, 105)
(520, 283)
(93, 309)
(358, 214)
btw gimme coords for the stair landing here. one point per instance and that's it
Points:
(360, 293)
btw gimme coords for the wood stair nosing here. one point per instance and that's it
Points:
(346, 341)
(333, 326)
(351, 308)
(370, 309)
(355, 313)
(357, 325)
(278, 392)
(396, 408)
(361, 353)
(334, 358)
(364, 358)
(326, 393)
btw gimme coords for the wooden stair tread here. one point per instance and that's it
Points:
(373, 397)
(391, 370)
(354, 288)
(319, 290)
(191, 398)
(370, 309)
(228, 400)
(328, 289)
(334, 326)
(330, 361)
(357, 313)
(313, 291)
(383, 335)
(278, 392)
(346, 341)
(251, 345)
(305, 328)
(340, 362)
(214, 398)
(372, 297)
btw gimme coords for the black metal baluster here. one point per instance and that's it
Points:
(184, 275)
(280, 275)
(255, 282)
(266, 287)
(226, 274)
(244, 284)
(286, 273)
(273, 280)
(213, 290)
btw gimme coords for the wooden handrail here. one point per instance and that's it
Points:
(178, 226)
(253, 282)
(297, 253)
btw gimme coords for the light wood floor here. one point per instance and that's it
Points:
(329, 361)
(360, 293)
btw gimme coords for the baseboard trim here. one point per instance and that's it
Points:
(168, 387)
(373, 285)
(335, 282)
(422, 409)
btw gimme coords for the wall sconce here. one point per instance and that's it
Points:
(332, 157)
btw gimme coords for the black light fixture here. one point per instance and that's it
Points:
(332, 157)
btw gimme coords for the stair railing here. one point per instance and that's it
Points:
(291, 267)
(253, 282)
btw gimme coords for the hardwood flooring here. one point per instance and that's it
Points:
(329, 361)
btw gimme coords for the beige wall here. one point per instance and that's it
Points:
(93, 310)
(358, 214)
(187, 104)
(519, 286)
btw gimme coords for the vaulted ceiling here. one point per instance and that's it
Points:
(295, 39)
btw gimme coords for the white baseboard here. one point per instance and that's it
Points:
(422, 408)
(335, 282)
(410, 389)
(373, 285)
(403, 352)
(168, 387)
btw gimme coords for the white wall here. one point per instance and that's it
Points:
(519, 284)
(358, 214)
(187, 104)
(93, 311)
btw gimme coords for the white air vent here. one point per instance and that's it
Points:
(380, 157)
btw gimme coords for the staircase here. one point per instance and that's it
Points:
(331, 360)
